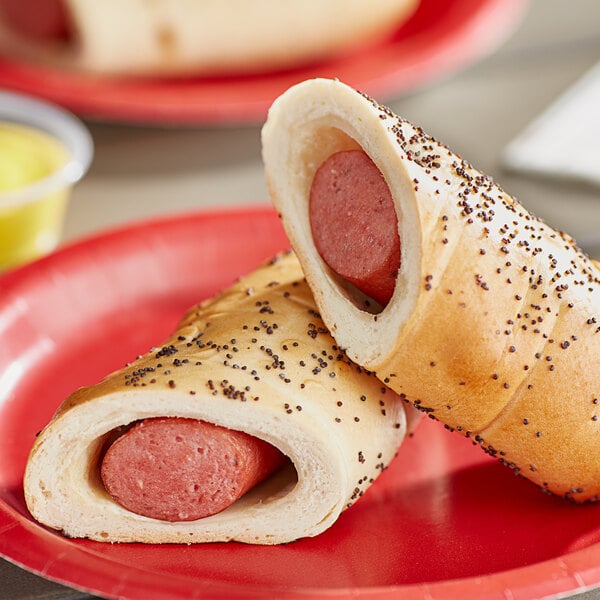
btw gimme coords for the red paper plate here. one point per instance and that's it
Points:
(444, 521)
(440, 38)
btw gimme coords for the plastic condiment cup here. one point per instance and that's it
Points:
(37, 173)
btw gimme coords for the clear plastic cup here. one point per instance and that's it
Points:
(44, 151)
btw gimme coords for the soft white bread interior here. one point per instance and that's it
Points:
(494, 324)
(166, 37)
(257, 358)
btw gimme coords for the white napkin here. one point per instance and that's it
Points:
(564, 141)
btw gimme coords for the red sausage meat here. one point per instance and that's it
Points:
(177, 469)
(40, 20)
(354, 223)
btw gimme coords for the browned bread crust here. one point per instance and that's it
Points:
(494, 325)
(256, 358)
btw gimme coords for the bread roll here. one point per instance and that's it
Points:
(173, 37)
(493, 327)
(257, 358)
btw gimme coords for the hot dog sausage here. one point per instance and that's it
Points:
(177, 469)
(40, 20)
(354, 223)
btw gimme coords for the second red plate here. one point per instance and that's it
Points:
(440, 38)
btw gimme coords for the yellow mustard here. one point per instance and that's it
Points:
(32, 228)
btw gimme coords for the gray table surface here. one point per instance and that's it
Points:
(143, 171)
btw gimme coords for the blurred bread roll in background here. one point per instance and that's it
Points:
(192, 37)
